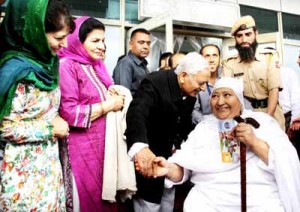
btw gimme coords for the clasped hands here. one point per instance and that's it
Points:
(60, 127)
(148, 165)
(115, 100)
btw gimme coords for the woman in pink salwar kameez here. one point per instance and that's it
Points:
(84, 83)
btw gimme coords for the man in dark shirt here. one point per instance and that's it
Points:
(158, 115)
(132, 68)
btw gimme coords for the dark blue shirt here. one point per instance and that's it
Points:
(130, 71)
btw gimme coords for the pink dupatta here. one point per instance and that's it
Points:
(76, 51)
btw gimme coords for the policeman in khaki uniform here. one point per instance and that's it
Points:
(257, 69)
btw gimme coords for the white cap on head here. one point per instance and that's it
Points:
(192, 63)
(235, 84)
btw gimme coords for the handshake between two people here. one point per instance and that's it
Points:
(149, 165)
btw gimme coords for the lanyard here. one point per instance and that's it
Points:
(208, 88)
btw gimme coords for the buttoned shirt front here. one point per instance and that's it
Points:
(130, 71)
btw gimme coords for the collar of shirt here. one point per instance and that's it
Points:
(137, 60)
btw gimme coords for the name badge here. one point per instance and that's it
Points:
(238, 74)
(230, 147)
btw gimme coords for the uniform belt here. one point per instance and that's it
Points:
(258, 103)
(288, 114)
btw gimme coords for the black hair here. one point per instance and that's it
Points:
(142, 30)
(58, 16)
(171, 60)
(89, 25)
(163, 56)
(203, 47)
(172, 57)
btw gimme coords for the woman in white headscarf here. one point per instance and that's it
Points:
(273, 170)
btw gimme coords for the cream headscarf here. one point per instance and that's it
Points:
(235, 84)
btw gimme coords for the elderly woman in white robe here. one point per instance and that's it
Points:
(273, 170)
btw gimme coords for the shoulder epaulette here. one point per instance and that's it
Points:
(266, 51)
(230, 57)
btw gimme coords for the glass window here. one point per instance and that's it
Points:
(291, 56)
(131, 11)
(107, 9)
(266, 20)
(113, 46)
(291, 26)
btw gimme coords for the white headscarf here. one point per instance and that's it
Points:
(235, 84)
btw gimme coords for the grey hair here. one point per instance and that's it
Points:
(192, 63)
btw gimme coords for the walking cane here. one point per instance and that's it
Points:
(255, 124)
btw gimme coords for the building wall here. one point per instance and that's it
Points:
(121, 15)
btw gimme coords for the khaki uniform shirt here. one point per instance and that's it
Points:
(259, 76)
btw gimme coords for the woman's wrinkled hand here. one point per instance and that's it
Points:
(60, 127)
(115, 102)
(244, 133)
(160, 167)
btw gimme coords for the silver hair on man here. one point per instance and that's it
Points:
(192, 63)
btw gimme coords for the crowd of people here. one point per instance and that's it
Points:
(70, 131)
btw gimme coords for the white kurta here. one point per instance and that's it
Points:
(289, 97)
(274, 187)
